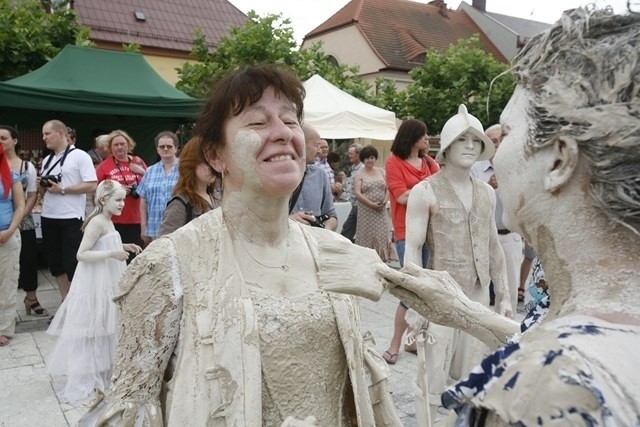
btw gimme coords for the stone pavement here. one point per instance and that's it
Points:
(27, 397)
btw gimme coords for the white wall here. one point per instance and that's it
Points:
(349, 47)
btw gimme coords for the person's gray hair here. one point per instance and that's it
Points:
(497, 127)
(357, 147)
(102, 141)
(583, 75)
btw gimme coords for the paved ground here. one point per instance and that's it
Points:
(27, 397)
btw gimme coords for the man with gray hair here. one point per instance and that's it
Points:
(349, 227)
(312, 202)
(511, 242)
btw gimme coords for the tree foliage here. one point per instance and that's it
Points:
(30, 36)
(262, 40)
(460, 75)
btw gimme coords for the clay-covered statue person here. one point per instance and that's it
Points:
(568, 173)
(453, 213)
(222, 322)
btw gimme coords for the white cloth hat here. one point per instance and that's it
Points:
(459, 124)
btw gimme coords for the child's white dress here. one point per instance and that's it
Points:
(86, 326)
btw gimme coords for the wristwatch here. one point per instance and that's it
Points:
(62, 191)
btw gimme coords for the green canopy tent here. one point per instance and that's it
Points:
(90, 89)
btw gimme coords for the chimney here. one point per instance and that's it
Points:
(441, 5)
(481, 5)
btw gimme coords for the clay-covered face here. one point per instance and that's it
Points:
(115, 203)
(519, 175)
(265, 148)
(464, 151)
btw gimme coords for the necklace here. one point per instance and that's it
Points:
(280, 266)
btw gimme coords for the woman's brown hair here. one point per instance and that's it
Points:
(187, 186)
(240, 89)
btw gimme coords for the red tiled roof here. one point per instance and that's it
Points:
(169, 24)
(401, 30)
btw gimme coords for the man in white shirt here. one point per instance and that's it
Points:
(67, 175)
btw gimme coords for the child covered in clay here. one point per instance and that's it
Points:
(86, 321)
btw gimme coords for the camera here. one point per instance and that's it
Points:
(46, 180)
(319, 222)
(133, 192)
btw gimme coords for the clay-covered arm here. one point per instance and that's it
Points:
(437, 297)
(421, 200)
(149, 312)
(92, 232)
(498, 265)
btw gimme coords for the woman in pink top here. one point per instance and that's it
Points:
(408, 165)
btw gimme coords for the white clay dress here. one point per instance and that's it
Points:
(86, 326)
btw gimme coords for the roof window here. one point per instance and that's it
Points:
(139, 16)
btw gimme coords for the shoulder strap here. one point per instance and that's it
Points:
(187, 206)
(296, 193)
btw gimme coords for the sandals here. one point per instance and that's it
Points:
(34, 305)
(390, 358)
(520, 295)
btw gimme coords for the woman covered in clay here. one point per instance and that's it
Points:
(223, 322)
(568, 171)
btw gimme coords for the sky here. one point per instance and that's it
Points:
(305, 15)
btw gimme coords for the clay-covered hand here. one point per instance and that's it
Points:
(132, 247)
(503, 306)
(120, 255)
(437, 297)
(294, 422)
(433, 294)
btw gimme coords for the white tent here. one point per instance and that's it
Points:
(337, 115)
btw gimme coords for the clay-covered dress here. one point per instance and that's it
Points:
(86, 326)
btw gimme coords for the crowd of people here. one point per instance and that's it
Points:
(223, 317)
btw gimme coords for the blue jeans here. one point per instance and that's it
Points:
(400, 250)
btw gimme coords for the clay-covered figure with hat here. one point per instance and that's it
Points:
(454, 214)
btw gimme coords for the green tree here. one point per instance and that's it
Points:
(262, 40)
(460, 75)
(30, 36)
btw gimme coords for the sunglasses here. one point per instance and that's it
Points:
(166, 147)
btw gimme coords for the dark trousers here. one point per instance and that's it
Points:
(28, 280)
(129, 233)
(349, 226)
(62, 239)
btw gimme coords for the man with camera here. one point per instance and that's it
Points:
(128, 170)
(67, 175)
(312, 202)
